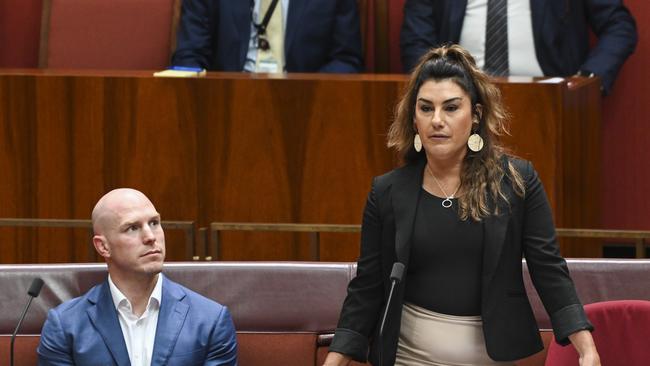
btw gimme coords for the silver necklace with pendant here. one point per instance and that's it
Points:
(446, 203)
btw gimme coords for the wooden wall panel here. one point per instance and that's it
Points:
(580, 185)
(251, 168)
(53, 163)
(534, 131)
(15, 151)
(557, 128)
(294, 142)
(229, 147)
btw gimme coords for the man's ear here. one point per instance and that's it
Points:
(101, 246)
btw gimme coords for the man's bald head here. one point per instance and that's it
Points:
(128, 235)
(107, 208)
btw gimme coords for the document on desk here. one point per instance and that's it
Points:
(181, 72)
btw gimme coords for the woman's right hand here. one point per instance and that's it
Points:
(336, 359)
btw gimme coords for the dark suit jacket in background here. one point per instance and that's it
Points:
(509, 326)
(192, 330)
(321, 35)
(560, 30)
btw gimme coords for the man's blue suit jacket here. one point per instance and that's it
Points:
(192, 330)
(560, 30)
(320, 36)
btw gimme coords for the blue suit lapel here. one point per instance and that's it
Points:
(242, 15)
(406, 192)
(296, 8)
(170, 322)
(537, 13)
(103, 316)
(456, 16)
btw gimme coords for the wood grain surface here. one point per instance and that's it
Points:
(301, 148)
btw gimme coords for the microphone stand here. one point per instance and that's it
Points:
(33, 292)
(396, 277)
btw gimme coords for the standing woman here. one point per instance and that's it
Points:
(459, 215)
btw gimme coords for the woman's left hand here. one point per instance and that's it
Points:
(590, 359)
(584, 344)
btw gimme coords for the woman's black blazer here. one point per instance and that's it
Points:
(523, 227)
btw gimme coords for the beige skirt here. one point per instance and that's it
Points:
(430, 338)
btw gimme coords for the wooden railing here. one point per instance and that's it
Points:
(212, 245)
(314, 231)
(640, 238)
(188, 227)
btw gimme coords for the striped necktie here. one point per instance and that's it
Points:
(496, 38)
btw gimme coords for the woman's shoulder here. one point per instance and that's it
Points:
(522, 166)
(408, 171)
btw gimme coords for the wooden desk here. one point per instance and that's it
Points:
(247, 148)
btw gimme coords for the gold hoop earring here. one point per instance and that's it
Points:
(475, 141)
(417, 142)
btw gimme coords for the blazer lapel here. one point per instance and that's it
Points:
(537, 14)
(495, 228)
(456, 16)
(404, 199)
(242, 14)
(104, 317)
(296, 8)
(170, 322)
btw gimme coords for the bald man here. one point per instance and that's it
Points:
(137, 316)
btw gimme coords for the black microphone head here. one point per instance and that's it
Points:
(397, 272)
(35, 288)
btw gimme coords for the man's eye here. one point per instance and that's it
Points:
(132, 228)
(154, 223)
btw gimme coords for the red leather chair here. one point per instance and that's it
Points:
(381, 22)
(20, 22)
(622, 335)
(115, 34)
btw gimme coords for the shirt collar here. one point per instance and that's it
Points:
(119, 298)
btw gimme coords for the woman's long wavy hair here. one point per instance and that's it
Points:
(482, 172)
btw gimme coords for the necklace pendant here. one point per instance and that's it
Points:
(446, 203)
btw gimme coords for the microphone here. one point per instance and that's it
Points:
(33, 292)
(396, 275)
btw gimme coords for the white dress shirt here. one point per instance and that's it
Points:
(522, 58)
(251, 56)
(139, 332)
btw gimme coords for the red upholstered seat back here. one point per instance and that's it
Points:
(279, 308)
(20, 22)
(622, 333)
(99, 34)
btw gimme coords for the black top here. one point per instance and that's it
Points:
(444, 272)
(524, 225)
